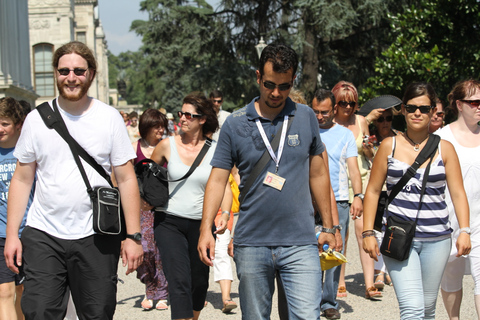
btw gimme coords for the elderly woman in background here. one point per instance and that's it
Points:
(152, 126)
(464, 134)
(177, 227)
(346, 97)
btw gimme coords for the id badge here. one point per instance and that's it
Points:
(274, 181)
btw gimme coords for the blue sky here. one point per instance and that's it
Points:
(116, 17)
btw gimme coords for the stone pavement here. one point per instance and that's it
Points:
(354, 306)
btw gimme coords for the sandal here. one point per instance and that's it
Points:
(388, 281)
(161, 305)
(372, 292)
(147, 304)
(228, 305)
(342, 292)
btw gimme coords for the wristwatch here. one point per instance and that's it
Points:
(338, 227)
(360, 195)
(329, 230)
(466, 230)
(137, 236)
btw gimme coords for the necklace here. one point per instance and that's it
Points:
(416, 146)
(148, 145)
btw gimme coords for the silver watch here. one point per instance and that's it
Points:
(466, 230)
(338, 227)
(360, 195)
(328, 230)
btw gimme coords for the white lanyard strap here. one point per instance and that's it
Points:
(267, 143)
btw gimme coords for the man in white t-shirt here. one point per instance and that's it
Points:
(59, 248)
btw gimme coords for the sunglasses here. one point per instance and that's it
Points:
(344, 104)
(440, 114)
(189, 115)
(76, 71)
(387, 118)
(323, 113)
(473, 103)
(217, 101)
(271, 86)
(423, 109)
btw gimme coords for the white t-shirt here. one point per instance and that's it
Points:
(61, 206)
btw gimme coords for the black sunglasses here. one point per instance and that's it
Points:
(473, 103)
(344, 104)
(440, 114)
(387, 118)
(217, 101)
(271, 86)
(423, 109)
(188, 115)
(76, 71)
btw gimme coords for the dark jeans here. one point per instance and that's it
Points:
(187, 275)
(87, 266)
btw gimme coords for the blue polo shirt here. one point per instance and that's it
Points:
(269, 217)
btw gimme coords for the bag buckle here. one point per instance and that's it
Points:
(154, 170)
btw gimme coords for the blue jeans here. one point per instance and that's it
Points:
(417, 280)
(332, 276)
(299, 269)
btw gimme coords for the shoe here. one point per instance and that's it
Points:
(161, 305)
(372, 292)
(331, 313)
(147, 304)
(342, 292)
(388, 281)
(379, 283)
(228, 305)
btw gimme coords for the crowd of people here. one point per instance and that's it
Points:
(287, 166)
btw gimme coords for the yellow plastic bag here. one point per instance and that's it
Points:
(330, 259)
(235, 193)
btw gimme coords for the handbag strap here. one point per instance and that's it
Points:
(53, 120)
(424, 185)
(260, 165)
(427, 151)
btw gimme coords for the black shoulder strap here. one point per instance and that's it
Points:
(53, 122)
(260, 165)
(427, 151)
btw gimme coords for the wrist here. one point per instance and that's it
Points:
(368, 120)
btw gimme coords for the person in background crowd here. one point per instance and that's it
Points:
(12, 116)
(464, 134)
(346, 96)
(152, 127)
(437, 121)
(417, 279)
(59, 248)
(172, 127)
(132, 128)
(282, 237)
(177, 226)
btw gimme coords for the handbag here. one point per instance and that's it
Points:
(399, 233)
(108, 218)
(153, 178)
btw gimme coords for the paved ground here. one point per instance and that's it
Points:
(354, 306)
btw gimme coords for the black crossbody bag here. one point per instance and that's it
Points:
(399, 233)
(108, 218)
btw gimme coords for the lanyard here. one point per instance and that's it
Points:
(267, 143)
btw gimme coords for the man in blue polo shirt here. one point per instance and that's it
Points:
(342, 154)
(275, 229)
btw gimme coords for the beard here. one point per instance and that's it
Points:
(62, 89)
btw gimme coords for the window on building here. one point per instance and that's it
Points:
(44, 81)
(82, 37)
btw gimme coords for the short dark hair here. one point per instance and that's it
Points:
(323, 94)
(462, 90)
(216, 94)
(11, 109)
(151, 118)
(133, 114)
(204, 107)
(417, 89)
(79, 48)
(283, 58)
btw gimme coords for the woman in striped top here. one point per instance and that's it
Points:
(417, 279)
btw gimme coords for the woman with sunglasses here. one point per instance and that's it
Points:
(346, 96)
(177, 226)
(417, 279)
(464, 134)
(152, 126)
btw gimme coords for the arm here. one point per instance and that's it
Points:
(367, 147)
(211, 202)
(320, 187)
(161, 153)
(19, 192)
(374, 188)
(457, 193)
(374, 115)
(226, 206)
(356, 210)
(132, 251)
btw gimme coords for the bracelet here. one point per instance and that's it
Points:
(368, 233)
(368, 120)
(227, 212)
